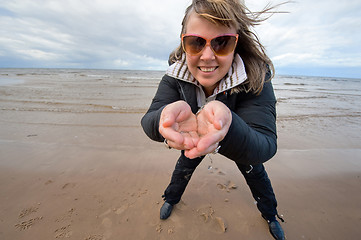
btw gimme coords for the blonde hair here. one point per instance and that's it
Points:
(233, 13)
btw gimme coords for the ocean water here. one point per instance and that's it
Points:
(73, 90)
(299, 96)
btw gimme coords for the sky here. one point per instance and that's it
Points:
(315, 37)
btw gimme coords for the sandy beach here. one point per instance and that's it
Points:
(75, 164)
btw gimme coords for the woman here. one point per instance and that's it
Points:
(217, 97)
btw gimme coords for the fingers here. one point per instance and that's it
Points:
(207, 143)
(189, 141)
(194, 153)
(167, 120)
(175, 112)
(219, 114)
(170, 117)
(174, 145)
(170, 114)
(194, 137)
(169, 132)
(174, 139)
(179, 126)
(213, 123)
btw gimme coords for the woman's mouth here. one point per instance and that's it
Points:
(207, 69)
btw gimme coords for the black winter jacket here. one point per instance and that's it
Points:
(251, 138)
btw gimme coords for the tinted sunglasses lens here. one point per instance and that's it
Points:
(223, 45)
(193, 44)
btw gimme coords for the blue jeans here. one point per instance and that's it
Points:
(256, 178)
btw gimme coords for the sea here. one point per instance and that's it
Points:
(126, 91)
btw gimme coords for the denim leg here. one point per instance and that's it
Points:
(181, 175)
(261, 188)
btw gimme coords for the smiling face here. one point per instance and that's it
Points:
(207, 67)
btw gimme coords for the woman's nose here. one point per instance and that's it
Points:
(207, 53)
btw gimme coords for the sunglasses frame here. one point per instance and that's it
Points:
(208, 43)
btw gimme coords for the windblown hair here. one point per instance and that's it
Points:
(233, 13)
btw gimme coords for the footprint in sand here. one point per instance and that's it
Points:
(206, 213)
(94, 237)
(68, 185)
(221, 224)
(27, 224)
(48, 182)
(125, 205)
(107, 224)
(218, 224)
(120, 210)
(63, 232)
(159, 228)
(26, 212)
(228, 186)
(67, 216)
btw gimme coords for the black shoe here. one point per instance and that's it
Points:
(275, 229)
(165, 210)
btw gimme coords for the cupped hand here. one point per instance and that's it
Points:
(213, 123)
(178, 125)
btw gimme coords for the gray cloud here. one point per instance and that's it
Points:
(107, 34)
(140, 34)
(321, 33)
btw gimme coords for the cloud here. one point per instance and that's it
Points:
(88, 33)
(322, 33)
(140, 34)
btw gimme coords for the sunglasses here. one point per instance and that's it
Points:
(221, 45)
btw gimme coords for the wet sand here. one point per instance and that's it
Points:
(75, 164)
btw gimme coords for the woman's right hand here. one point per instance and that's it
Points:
(178, 125)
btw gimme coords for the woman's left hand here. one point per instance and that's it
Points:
(213, 123)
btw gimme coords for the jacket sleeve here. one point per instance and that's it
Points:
(252, 136)
(167, 93)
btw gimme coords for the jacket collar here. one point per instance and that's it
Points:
(235, 76)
